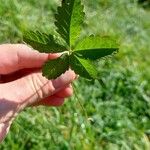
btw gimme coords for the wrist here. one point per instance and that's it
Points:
(8, 108)
(8, 111)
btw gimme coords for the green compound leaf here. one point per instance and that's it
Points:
(69, 19)
(95, 47)
(43, 42)
(54, 68)
(83, 67)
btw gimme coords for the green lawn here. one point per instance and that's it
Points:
(113, 117)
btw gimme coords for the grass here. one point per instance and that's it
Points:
(118, 113)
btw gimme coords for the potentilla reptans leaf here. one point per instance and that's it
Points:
(69, 20)
(54, 68)
(83, 67)
(43, 42)
(95, 47)
(80, 52)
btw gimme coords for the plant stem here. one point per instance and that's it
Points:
(80, 103)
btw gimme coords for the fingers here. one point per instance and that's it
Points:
(66, 92)
(50, 88)
(52, 101)
(34, 87)
(56, 99)
(18, 56)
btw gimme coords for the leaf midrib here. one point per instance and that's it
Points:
(114, 48)
(81, 63)
(70, 23)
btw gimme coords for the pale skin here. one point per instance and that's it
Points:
(22, 84)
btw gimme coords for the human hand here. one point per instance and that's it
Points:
(22, 83)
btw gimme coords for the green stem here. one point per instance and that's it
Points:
(80, 103)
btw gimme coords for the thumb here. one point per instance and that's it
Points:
(19, 56)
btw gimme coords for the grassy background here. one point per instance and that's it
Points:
(114, 117)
